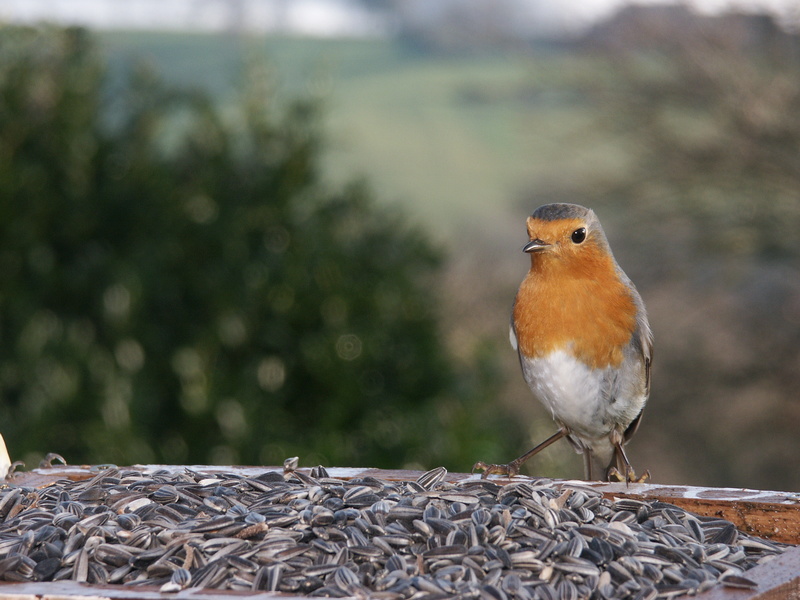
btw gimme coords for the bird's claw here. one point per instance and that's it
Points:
(14, 469)
(47, 461)
(629, 477)
(509, 469)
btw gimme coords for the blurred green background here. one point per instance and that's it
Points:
(226, 248)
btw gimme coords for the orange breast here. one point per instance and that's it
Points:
(578, 306)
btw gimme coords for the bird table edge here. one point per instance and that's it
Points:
(73, 590)
(778, 579)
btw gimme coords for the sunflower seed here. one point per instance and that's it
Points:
(430, 479)
(180, 579)
(737, 581)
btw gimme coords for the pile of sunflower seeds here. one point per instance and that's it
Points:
(320, 536)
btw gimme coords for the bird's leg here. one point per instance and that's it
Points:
(588, 467)
(614, 473)
(512, 468)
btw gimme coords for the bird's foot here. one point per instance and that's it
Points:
(629, 477)
(509, 469)
(14, 469)
(47, 461)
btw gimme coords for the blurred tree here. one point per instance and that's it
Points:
(178, 286)
(707, 114)
(710, 107)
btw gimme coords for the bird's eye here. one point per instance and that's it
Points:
(579, 235)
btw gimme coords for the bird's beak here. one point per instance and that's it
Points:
(536, 245)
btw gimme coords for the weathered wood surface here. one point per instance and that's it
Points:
(779, 579)
(774, 515)
(72, 590)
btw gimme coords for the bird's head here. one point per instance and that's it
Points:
(565, 232)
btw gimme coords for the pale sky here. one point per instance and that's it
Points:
(316, 16)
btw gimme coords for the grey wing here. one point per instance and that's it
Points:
(643, 342)
(643, 336)
(643, 345)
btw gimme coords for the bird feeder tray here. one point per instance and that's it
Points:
(766, 514)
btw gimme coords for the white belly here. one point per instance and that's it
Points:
(590, 402)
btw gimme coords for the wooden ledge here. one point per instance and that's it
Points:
(779, 579)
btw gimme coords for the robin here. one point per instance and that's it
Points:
(584, 343)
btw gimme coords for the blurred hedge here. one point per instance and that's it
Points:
(178, 286)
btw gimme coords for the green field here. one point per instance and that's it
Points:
(459, 140)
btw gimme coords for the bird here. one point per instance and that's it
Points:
(585, 345)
